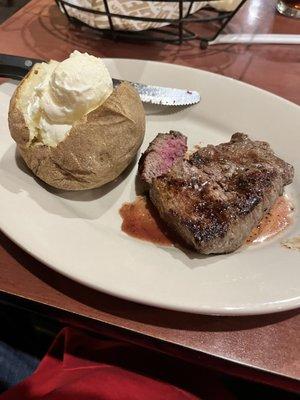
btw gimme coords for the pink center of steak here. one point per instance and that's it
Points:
(170, 152)
(161, 155)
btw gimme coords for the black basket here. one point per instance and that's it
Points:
(183, 28)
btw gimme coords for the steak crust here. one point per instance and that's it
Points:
(213, 199)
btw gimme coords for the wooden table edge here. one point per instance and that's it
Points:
(211, 361)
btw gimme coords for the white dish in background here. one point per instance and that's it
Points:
(79, 234)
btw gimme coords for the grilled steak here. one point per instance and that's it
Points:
(216, 196)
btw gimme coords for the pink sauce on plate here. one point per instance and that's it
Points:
(141, 220)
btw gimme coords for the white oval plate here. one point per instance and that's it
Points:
(79, 235)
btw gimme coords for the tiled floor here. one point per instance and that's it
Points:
(9, 7)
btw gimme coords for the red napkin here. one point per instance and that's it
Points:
(81, 367)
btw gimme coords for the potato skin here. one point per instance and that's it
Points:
(97, 149)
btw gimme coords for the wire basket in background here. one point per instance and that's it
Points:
(169, 21)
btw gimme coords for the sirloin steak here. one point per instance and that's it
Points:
(216, 196)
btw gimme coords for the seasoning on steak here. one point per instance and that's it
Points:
(215, 197)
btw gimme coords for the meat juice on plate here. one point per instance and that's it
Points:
(141, 220)
(278, 219)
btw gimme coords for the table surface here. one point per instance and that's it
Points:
(265, 348)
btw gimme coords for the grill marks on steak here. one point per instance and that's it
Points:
(219, 194)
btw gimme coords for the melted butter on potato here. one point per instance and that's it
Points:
(66, 91)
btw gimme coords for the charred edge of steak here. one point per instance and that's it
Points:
(161, 154)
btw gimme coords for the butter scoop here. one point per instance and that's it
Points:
(68, 91)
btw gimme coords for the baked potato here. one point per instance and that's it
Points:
(97, 149)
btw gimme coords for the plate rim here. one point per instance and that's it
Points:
(204, 71)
